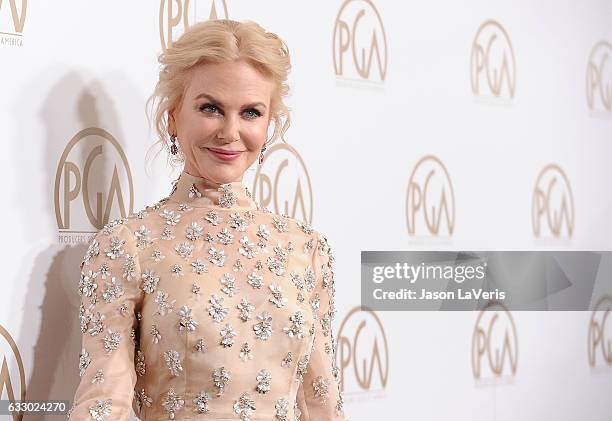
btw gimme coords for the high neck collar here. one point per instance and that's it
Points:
(202, 192)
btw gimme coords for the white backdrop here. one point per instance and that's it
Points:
(484, 125)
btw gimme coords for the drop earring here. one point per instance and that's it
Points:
(173, 148)
(261, 154)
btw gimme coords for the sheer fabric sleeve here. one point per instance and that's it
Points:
(110, 297)
(319, 395)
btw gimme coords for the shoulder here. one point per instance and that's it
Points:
(322, 246)
(282, 223)
(133, 227)
(317, 241)
(152, 215)
(149, 213)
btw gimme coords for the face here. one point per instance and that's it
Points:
(222, 122)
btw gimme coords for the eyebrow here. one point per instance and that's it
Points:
(217, 102)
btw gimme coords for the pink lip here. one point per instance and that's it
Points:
(223, 154)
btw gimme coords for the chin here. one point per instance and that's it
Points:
(223, 173)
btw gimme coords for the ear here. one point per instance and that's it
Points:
(171, 122)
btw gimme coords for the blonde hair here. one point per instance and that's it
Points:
(216, 41)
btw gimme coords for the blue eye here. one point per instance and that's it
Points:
(251, 113)
(208, 106)
(254, 112)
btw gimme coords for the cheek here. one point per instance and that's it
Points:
(196, 128)
(256, 136)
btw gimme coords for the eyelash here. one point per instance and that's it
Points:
(255, 111)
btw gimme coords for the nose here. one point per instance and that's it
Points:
(230, 129)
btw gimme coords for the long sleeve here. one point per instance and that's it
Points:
(110, 298)
(319, 395)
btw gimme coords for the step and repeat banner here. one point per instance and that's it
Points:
(435, 125)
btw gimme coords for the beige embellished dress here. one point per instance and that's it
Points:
(206, 306)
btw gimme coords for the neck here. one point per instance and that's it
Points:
(198, 191)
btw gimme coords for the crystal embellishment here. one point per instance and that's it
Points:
(227, 336)
(263, 329)
(246, 309)
(150, 281)
(245, 406)
(296, 329)
(200, 402)
(263, 381)
(101, 410)
(228, 197)
(246, 352)
(194, 192)
(216, 310)
(186, 321)
(277, 296)
(111, 341)
(282, 409)
(84, 361)
(173, 403)
(221, 378)
(173, 362)
(320, 386)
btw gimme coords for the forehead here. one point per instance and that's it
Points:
(229, 82)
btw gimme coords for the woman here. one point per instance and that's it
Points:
(206, 305)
